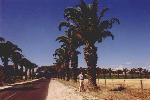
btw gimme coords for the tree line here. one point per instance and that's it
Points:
(10, 52)
(101, 73)
(124, 73)
(84, 25)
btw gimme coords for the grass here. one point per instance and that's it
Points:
(130, 83)
(129, 89)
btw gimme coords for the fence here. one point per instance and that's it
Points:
(128, 83)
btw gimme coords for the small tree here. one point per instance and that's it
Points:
(140, 72)
(125, 72)
(110, 71)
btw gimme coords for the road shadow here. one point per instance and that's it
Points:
(27, 86)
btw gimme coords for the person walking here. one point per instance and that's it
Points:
(81, 82)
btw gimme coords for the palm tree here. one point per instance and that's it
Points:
(58, 65)
(70, 41)
(65, 49)
(63, 59)
(110, 71)
(21, 63)
(26, 63)
(140, 72)
(148, 74)
(125, 72)
(28, 67)
(11, 52)
(2, 39)
(119, 71)
(84, 21)
(104, 71)
(98, 72)
(6, 51)
(57, 69)
(145, 71)
(32, 70)
(16, 57)
(1, 75)
(132, 72)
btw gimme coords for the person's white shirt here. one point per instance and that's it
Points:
(81, 77)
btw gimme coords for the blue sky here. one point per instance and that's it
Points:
(33, 26)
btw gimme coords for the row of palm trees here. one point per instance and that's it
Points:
(103, 73)
(10, 52)
(122, 73)
(84, 26)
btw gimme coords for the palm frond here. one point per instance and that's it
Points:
(83, 5)
(10, 43)
(64, 24)
(107, 24)
(19, 49)
(102, 13)
(2, 39)
(104, 35)
(62, 39)
(18, 54)
(72, 14)
(115, 20)
(94, 6)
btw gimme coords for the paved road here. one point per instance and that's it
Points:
(38, 92)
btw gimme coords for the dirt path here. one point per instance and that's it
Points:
(58, 91)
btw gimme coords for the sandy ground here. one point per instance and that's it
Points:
(58, 91)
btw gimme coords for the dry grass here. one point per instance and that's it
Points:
(130, 83)
(132, 89)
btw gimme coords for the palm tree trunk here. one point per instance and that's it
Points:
(63, 74)
(90, 56)
(21, 70)
(132, 75)
(125, 74)
(118, 75)
(67, 70)
(30, 74)
(109, 74)
(140, 74)
(68, 74)
(74, 65)
(26, 76)
(104, 75)
(7, 71)
(15, 70)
